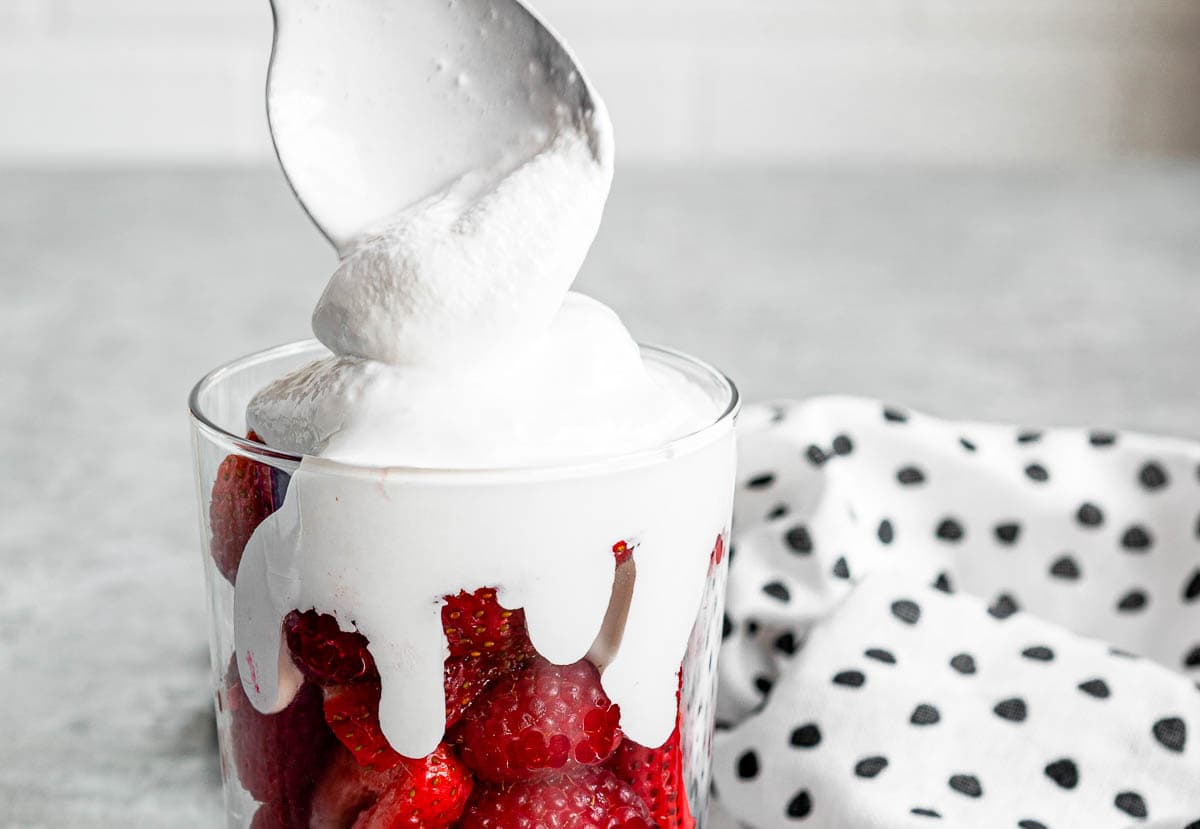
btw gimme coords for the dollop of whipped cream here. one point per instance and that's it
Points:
(457, 343)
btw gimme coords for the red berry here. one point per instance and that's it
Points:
(278, 756)
(418, 793)
(622, 552)
(465, 680)
(590, 798)
(352, 712)
(544, 720)
(718, 552)
(241, 500)
(656, 774)
(426, 794)
(476, 625)
(325, 653)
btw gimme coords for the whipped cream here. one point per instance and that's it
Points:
(456, 344)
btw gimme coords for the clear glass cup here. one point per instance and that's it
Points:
(311, 765)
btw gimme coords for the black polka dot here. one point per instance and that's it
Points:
(1064, 772)
(886, 533)
(806, 736)
(1195, 824)
(841, 569)
(726, 627)
(816, 455)
(1089, 515)
(870, 767)
(906, 611)
(1065, 567)
(777, 590)
(1029, 436)
(910, 475)
(1102, 439)
(1191, 590)
(967, 784)
(777, 512)
(1038, 653)
(799, 540)
(786, 643)
(764, 684)
(880, 655)
(1097, 688)
(943, 584)
(850, 679)
(967, 444)
(842, 445)
(1008, 532)
(925, 714)
(760, 481)
(1137, 539)
(1004, 606)
(1122, 654)
(722, 725)
(1132, 804)
(1133, 601)
(1013, 710)
(1037, 472)
(1031, 824)
(747, 765)
(1153, 476)
(895, 415)
(752, 627)
(800, 805)
(922, 812)
(1171, 733)
(964, 663)
(949, 530)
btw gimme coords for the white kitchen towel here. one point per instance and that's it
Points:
(939, 624)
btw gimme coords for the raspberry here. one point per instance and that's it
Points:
(324, 652)
(242, 498)
(544, 720)
(476, 626)
(591, 798)
(278, 756)
(465, 680)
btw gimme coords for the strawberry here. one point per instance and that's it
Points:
(465, 680)
(420, 793)
(426, 794)
(541, 721)
(591, 798)
(622, 552)
(476, 626)
(352, 712)
(278, 755)
(325, 653)
(242, 497)
(718, 553)
(656, 774)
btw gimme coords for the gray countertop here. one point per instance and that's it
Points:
(1037, 296)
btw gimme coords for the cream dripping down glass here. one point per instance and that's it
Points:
(465, 550)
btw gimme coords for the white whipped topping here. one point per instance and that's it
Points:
(457, 345)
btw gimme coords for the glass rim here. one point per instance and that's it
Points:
(664, 450)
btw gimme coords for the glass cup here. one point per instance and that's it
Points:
(302, 727)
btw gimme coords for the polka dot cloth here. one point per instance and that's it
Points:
(945, 624)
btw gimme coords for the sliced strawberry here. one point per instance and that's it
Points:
(242, 497)
(278, 756)
(325, 653)
(718, 553)
(656, 774)
(426, 794)
(419, 793)
(352, 712)
(543, 720)
(477, 626)
(591, 798)
(465, 681)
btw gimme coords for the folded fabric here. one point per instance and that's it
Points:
(963, 625)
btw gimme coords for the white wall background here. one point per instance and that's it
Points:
(130, 81)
